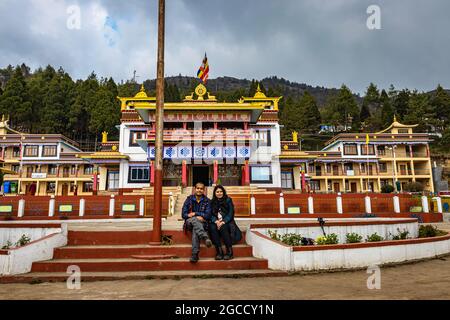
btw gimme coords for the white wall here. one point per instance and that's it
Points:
(20, 260)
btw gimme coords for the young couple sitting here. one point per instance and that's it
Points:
(202, 215)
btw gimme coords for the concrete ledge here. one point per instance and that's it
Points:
(19, 260)
(344, 256)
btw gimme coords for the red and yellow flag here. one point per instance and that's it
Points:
(203, 72)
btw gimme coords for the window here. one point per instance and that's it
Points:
(286, 179)
(88, 169)
(51, 187)
(88, 186)
(263, 138)
(16, 152)
(49, 151)
(261, 174)
(52, 169)
(403, 131)
(136, 135)
(350, 149)
(314, 185)
(73, 170)
(139, 175)
(381, 150)
(113, 180)
(382, 167)
(31, 151)
(367, 147)
(15, 168)
(348, 166)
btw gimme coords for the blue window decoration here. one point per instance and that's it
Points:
(199, 152)
(151, 152)
(244, 152)
(229, 152)
(185, 152)
(170, 152)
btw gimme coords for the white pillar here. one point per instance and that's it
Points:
(339, 203)
(368, 204)
(21, 208)
(252, 205)
(141, 207)
(311, 205)
(51, 206)
(439, 205)
(281, 203)
(111, 205)
(396, 204)
(171, 204)
(425, 204)
(82, 206)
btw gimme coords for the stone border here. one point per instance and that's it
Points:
(343, 256)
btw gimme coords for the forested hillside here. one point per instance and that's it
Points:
(50, 101)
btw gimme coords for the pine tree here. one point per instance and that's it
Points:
(342, 110)
(440, 103)
(311, 119)
(420, 112)
(387, 112)
(15, 101)
(401, 102)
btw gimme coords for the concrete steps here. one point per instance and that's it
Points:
(37, 277)
(110, 265)
(121, 252)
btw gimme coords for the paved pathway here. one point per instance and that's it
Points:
(423, 280)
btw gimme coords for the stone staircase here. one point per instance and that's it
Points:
(109, 255)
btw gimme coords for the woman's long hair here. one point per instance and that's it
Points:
(216, 202)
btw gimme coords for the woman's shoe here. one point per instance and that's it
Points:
(219, 253)
(229, 254)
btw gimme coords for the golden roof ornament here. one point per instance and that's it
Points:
(104, 137)
(295, 136)
(141, 93)
(259, 94)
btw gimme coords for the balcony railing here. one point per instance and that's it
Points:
(211, 134)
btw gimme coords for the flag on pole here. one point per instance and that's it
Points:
(203, 72)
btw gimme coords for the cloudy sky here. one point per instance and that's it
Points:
(318, 42)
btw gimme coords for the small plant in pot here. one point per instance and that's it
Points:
(353, 238)
(374, 237)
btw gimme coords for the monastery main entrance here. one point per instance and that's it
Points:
(201, 173)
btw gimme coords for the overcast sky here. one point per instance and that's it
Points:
(318, 42)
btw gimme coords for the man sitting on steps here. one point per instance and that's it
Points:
(196, 213)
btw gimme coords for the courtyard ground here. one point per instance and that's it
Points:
(422, 280)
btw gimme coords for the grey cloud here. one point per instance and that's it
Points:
(319, 42)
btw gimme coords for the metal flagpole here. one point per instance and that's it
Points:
(157, 212)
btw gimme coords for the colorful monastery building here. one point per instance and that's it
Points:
(234, 144)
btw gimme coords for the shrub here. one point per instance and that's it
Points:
(331, 238)
(7, 246)
(374, 238)
(413, 187)
(23, 241)
(402, 235)
(291, 239)
(353, 238)
(427, 231)
(387, 188)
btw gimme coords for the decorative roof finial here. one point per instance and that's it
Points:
(295, 136)
(258, 89)
(104, 137)
(142, 88)
(395, 118)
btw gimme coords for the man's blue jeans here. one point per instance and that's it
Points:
(198, 233)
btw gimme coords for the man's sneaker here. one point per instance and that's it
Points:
(194, 258)
(208, 243)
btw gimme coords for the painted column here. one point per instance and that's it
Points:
(339, 204)
(184, 173)
(21, 209)
(82, 206)
(368, 204)
(282, 204)
(311, 205)
(396, 204)
(216, 172)
(439, 204)
(152, 172)
(247, 173)
(51, 206)
(425, 204)
(252, 205)
(112, 203)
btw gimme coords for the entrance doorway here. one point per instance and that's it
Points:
(353, 188)
(336, 187)
(200, 174)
